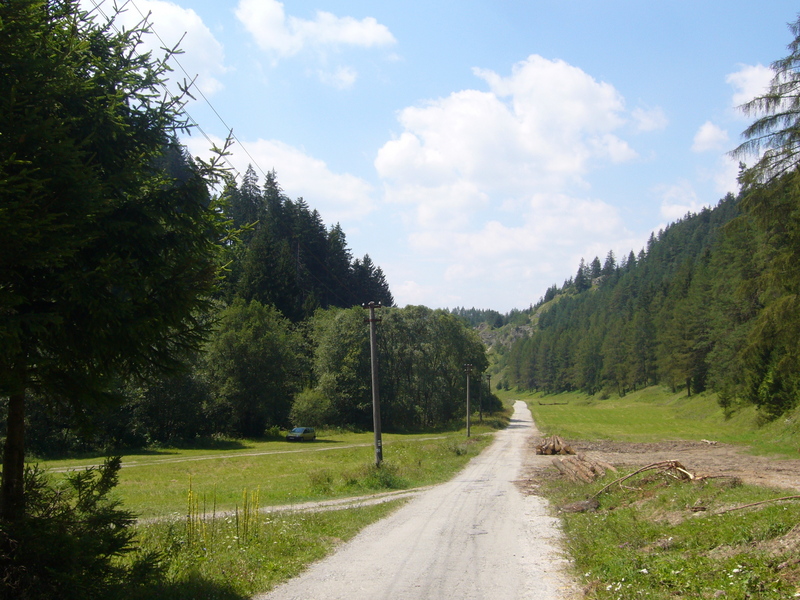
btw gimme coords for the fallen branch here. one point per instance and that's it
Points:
(727, 510)
(663, 465)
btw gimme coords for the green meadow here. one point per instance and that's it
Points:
(156, 483)
(657, 414)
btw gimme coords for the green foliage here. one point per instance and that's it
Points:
(476, 317)
(312, 406)
(71, 540)
(771, 354)
(107, 254)
(289, 259)
(341, 366)
(688, 313)
(773, 136)
(422, 353)
(253, 364)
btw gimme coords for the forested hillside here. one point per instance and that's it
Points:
(706, 305)
(288, 258)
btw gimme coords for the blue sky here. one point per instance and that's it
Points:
(477, 150)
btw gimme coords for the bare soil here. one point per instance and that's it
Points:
(700, 458)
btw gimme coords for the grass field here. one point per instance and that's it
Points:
(155, 483)
(644, 542)
(656, 414)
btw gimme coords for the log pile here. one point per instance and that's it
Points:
(553, 445)
(582, 468)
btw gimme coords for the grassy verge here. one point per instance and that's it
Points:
(225, 559)
(209, 555)
(660, 538)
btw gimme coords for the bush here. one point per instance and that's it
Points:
(273, 432)
(311, 407)
(70, 541)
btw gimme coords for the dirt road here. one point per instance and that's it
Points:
(475, 537)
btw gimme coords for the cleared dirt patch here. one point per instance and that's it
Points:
(701, 458)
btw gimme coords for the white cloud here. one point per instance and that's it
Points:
(412, 292)
(652, 119)
(726, 178)
(749, 82)
(497, 182)
(616, 149)
(540, 246)
(203, 56)
(709, 137)
(274, 32)
(342, 78)
(337, 196)
(545, 125)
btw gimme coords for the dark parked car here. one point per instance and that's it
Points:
(301, 434)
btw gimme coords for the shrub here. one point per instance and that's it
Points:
(311, 406)
(71, 538)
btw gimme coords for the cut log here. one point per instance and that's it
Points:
(582, 468)
(572, 468)
(554, 445)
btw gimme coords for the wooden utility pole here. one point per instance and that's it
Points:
(468, 369)
(376, 402)
(488, 391)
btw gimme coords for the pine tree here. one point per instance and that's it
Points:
(583, 278)
(105, 258)
(775, 134)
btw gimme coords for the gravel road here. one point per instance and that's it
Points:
(471, 538)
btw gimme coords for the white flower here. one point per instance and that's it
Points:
(643, 571)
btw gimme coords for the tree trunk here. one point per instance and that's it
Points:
(11, 492)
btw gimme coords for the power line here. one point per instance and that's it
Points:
(192, 122)
(194, 85)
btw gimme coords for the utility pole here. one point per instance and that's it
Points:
(376, 402)
(468, 369)
(488, 391)
(480, 397)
